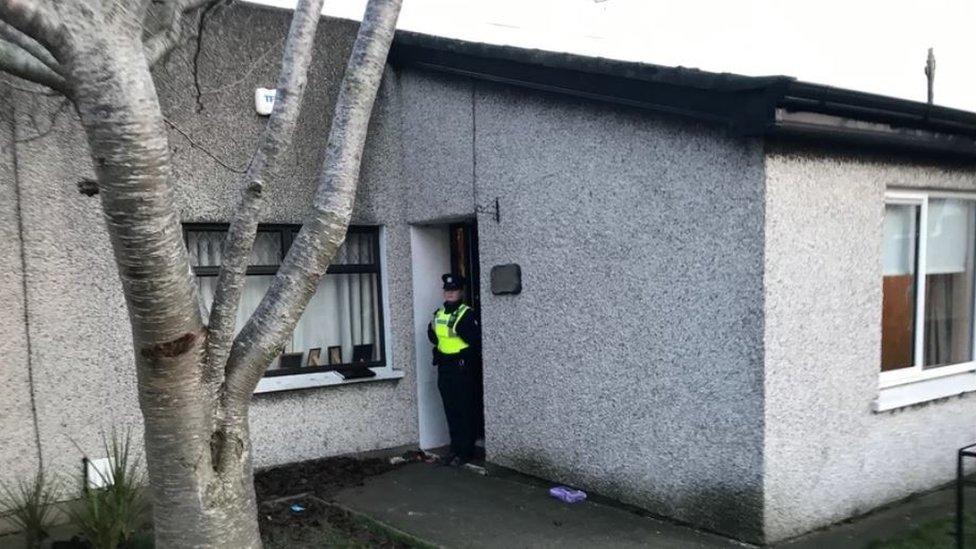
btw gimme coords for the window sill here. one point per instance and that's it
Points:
(320, 379)
(925, 390)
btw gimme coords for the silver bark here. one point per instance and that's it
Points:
(243, 228)
(196, 431)
(325, 228)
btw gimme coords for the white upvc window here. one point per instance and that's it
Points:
(928, 330)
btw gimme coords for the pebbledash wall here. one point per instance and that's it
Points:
(828, 456)
(636, 346)
(71, 337)
(698, 333)
(631, 363)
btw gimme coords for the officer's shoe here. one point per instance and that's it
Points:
(458, 461)
(448, 460)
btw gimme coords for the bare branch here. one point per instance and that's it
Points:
(160, 44)
(325, 228)
(277, 135)
(196, 145)
(201, 22)
(34, 20)
(132, 14)
(126, 15)
(31, 46)
(39, 133)
(18, 62)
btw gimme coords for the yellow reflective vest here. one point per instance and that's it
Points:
(448, 342)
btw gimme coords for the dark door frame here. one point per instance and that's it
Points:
(465, 261)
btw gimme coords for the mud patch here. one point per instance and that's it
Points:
(294, 508)
(321, 477)
(319, 524)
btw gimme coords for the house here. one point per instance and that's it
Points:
(746, 303)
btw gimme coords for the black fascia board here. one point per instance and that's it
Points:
(931, 146)
(900, 113)
(745, 105)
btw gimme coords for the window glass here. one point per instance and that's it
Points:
(255, 286)
(205, 248)
(948, 283)
(344, 314)
(358, 249)
(898, 291)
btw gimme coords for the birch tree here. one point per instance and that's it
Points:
(195, 377)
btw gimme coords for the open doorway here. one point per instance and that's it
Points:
(465, 262)
(435, 250)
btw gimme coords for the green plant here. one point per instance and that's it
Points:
(110, 517)
(30, 504)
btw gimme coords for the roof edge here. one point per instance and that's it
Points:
(744, 105)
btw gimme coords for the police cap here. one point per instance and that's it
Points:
(452, 281)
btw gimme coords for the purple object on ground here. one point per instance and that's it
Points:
(567, 494)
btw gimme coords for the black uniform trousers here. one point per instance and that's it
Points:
(456, 382)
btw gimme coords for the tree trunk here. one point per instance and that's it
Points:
(193, 399)
(193, 505)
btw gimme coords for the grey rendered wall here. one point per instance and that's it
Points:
(236, 59)
(631, 363)
(17, 432)
(438, 152)
(82, 359)
(828, 456)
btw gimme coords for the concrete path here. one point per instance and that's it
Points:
(460, 508)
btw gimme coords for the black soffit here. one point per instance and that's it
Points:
(775, 106)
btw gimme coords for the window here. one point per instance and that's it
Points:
(927, 327)
(343, 320)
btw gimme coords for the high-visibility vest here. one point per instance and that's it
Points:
(448, 342)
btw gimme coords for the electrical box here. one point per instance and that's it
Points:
(264, 100)
(98, 472)
(506, 279)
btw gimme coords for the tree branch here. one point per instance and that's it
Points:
(160, 44)
(20, 63)
(276, 137)
(196, 145)
(31, 46)
(325, 228)
(34, 20)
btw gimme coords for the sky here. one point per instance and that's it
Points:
(867, 45)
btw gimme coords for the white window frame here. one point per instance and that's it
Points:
(929, 384)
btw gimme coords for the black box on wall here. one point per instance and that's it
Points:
(506, 279)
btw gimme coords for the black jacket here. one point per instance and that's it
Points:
(468, 328)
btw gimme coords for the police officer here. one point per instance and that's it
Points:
(456, 334)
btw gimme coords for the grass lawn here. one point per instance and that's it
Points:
(938, 534)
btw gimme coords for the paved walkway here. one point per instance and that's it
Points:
(460, 508)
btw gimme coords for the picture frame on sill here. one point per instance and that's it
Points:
(335, 355)
(314, 357)
(291, 360)
(362, 353)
